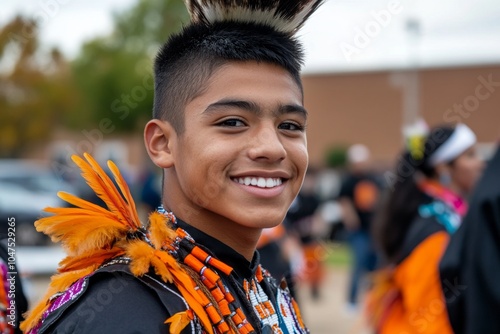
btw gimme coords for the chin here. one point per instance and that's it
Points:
(259, 221)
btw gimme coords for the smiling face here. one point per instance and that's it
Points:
(242, 157)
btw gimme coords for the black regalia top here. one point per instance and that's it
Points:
(123, 276)
(113, 300)
(470, 267)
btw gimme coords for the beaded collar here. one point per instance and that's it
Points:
(284, 320)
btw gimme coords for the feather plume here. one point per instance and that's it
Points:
(100, 182)
(33, 315)
(91, 235)
(186, 287)
(132, 211)
(283, 15)
(88, 226)
(80, 232)
(159, 232)
(62, 281)
(179, 321)
(81, 203)
(141, 255)
(59, 282)
(144, 257)
(88, 259)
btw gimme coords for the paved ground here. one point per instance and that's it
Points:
(328, 314)
(324, 316)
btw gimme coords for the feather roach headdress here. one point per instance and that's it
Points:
(223, 31)
(282, 15)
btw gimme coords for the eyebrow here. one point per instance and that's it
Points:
(255, 108)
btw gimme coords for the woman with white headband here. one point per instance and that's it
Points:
(424, 206)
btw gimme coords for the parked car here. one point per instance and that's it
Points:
(26, 188)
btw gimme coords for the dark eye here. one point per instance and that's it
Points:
(233, 122)
(291, 126)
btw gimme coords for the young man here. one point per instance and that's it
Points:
(229, 133)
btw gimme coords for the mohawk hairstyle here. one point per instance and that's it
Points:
(223, 31)
(282, 15)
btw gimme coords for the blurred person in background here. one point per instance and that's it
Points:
(276, 247)
(301, 223)
(469, 267)
(424, 207)
(358, 198)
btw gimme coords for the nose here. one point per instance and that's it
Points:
(266, 144)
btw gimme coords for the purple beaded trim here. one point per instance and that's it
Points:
(73, 292)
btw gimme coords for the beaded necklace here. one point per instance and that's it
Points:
(227, 307)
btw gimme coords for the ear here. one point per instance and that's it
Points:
(160, 137)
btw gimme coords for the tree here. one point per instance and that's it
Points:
(114, 73)
(35, 88)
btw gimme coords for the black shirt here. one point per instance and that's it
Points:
(363, 190)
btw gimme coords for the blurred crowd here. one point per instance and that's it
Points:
(423, 236)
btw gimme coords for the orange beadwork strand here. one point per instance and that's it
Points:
(199, 260)
(222, 304)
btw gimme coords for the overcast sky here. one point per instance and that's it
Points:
(344, 35)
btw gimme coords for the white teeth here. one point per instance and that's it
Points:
(260, 182)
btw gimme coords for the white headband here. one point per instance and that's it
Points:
(460, 140)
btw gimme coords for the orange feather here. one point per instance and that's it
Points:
(193, 300)
(79, 234)
(141, 254)
(125, 191)
(91, 235)
(87, 259)
(33, 316)
(81, 203)
(159, 231)
(179, 321)
(96, 180)
(100, 182)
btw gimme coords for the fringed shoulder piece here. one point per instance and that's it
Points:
(92, 235)
(283, 15)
